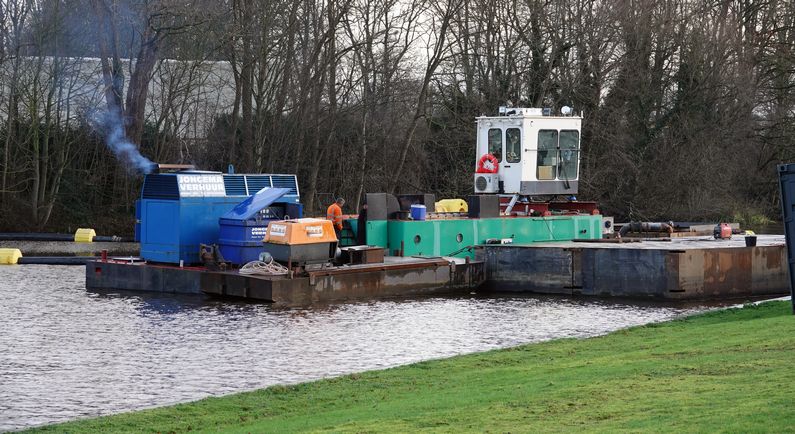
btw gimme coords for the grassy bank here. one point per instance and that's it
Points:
(731, 370)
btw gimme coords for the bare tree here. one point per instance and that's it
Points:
(438, 49)
(158, 21)
(14, 21)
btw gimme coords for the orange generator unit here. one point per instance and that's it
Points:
(722, 231)
(301, 241)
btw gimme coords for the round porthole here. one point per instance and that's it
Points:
(459, 237)
(417, 239)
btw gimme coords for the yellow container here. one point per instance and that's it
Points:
(300, 231)
(451, 205)
(84, 235)
(9, 256)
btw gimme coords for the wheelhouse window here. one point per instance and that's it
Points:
(495, 143)
(547, 154)
(569, 154)
(513, 145)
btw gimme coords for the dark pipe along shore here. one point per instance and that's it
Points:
(19, 236)
(55, 260)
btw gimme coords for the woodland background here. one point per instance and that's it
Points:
(689, 105)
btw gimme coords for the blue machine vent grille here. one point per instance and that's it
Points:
(286, 181)
(235, 185)
(257, 183)
(160, 187)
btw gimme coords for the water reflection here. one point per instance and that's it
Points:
(69, 353)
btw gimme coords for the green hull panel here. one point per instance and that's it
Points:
(446, 237)
(376, 233)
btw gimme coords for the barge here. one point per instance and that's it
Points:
(695, 268)
(523, 230)
(395, 277)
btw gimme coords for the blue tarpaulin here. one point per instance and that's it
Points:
(255, 203)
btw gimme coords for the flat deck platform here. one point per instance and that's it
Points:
(682, 268)
(394, 278)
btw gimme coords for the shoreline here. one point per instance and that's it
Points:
(551, 385)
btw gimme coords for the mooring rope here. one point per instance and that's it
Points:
(271, 268)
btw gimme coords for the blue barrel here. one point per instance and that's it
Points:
(418, 212)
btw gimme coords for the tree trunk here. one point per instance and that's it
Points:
(112, 75)
(139, 86)
(278, 129)
(247, 89)
(234, 122)
(11, 126)
(316, 151)
(419, 112)
(362, 160)
(35, 144)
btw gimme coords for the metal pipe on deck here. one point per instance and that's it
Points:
(646, 227)
(511, 204)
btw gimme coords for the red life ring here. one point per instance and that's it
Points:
(495, 165)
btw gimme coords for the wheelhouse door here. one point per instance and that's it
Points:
(511, 164)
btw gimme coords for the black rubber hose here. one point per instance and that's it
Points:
(645, 227)
(56, 260)
(15, 236)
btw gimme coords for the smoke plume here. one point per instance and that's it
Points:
(109, 123)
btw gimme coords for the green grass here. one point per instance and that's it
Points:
(726, 371)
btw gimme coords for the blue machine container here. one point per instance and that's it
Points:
(179, 211)
(243, 228)
(418, 212)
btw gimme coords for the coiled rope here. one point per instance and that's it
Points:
(271, 268)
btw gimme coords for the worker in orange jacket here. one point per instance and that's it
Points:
(334, 213)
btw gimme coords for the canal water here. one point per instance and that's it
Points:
(68, 353)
